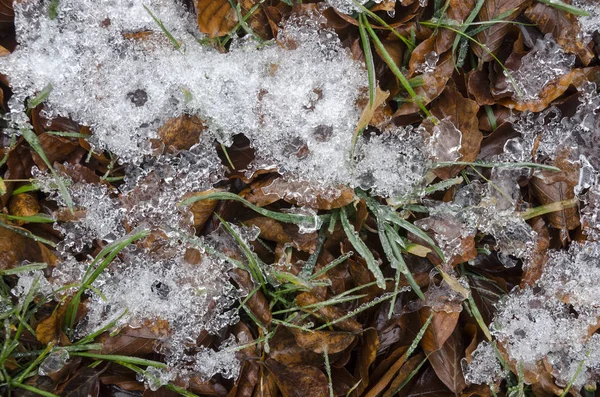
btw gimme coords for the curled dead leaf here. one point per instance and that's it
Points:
(215, 17)
(24, 204)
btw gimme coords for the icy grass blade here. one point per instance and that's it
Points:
(38, 218)
(162, 27)
(34, 363)
(478, 318)
(411, 46)
(26, 268)
(415, 343)
(278, 216)
(574, 378)
(27, 233)
(549, 208)
(311, 262)
(366, 45)
(72, 348)
(69, 134)
(397, 72)
(104, 258)
(169, 386)
(124, 359)
(464, 27)
(40, 97)
(34, 390)
(362, 248)
(412, 375)
(328, 370)
(254, 263)
(391, 239)
(360, 309)
(35, 144)
(332, 264)
(561, 5)
(53, 9)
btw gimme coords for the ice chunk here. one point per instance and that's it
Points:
(552, 320)
(485, 367)
(350, 6)
(545, 62)
(54, 362)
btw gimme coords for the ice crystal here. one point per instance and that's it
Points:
(552, 320)
(589, 23)
(545, 62)
(349, 6)
(485, 367)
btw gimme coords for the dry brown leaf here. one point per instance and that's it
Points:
(552, 186)
(387, 377)
(462, 112)
(330, 313)
(24, 204)
(315, 341)
(433, 82)
(48, 330)
(403, 374)
(563, 26)
(369, 111)
(445, 359)
(203, 209)
(458, 10)
(284, 233)
(215, 17)
(366, 356)
(181, 132)
(136, 341)
(267, 386)
(493, 37)
(298, 380)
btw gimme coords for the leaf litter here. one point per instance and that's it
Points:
(388, 234)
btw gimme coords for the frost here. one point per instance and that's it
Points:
(476, 209)
(349, 6)
(31, 282)
(590, 23)
(445, 141)
(545, 62)
(484, 368)
(553, 319)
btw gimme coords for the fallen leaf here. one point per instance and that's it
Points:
(329, 313)
(48, 330)
(387, 377)
(316, 341)
(462, 112)
(24, 204)
(298, 380)
(215, 17)
(404, 373)
(367, 354)
(458, 10)
(203, 209)
(257, 303)
(181, 132)
(429, 385)
(563, 26)
(493, 37)
(136, 341)
(442, 343)
(284, 233)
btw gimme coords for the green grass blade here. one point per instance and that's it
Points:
(119, 358)
(465, 25)
(40, 97)
(278, 216)
(397, 72)
(162, 27)
(35, 144)
(561, 5)
(27, 233)
(362, 248)
(38, 218)
(26, 268)
(366, 45)
(254, 263)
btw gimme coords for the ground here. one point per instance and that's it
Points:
(277, 197)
